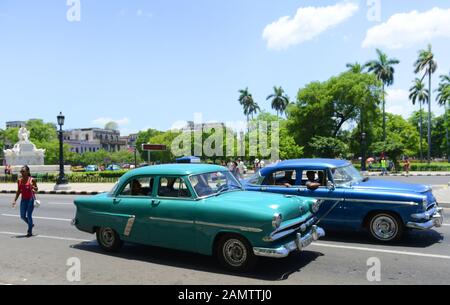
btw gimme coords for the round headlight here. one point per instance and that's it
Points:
(276, 220)
(425, 203)
(315, 206)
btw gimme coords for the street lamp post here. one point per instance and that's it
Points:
(363, 151)
(61, 182)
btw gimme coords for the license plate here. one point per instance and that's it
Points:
(306, 241)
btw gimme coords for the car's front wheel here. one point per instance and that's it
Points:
(108, 239)
(235, 253)
(385, 227)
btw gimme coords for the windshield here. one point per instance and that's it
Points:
(345, 176)
(208, 184)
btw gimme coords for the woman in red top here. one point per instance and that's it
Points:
(27, 187)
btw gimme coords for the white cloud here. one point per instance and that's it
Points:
(103, 121)
(142, 13)
(308, 23)
(397, 102)
(408, 29)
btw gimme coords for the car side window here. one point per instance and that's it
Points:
(173, 187)
(319, 176)
(141, 186)
(281, 178)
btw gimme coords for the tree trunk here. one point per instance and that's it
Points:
(429, 114)
(384, 114)
(446, 131)
(420, 131)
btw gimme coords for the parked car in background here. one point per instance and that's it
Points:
(91, 168)
(350, 202)
(199, 208)
(77, 168)
(113, 167)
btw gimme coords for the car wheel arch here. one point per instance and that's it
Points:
(369, 215)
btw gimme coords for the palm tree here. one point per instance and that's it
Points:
(247, 102)
(418, 93)
(355, 68)
(382, 68)
(279, 100)
(443, 98)
(426, 61)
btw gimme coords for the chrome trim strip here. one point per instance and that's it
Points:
(172, 220)
(218, 225)
(129, 226)
(382, 201)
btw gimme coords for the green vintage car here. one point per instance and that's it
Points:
(199, 208)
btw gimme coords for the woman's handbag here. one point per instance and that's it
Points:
(37, 203)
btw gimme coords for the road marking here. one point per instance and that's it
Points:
(59, 203)
(446, 224)
(39, 217)
(48, 237)
(5, 284)
(382, 251)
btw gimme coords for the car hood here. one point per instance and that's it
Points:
(392, 186)
(263, 203)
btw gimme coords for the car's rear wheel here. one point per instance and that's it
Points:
(108, 239)
(385, 227)
(235, 253)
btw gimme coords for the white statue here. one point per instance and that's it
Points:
(24, 152)
(24, 135)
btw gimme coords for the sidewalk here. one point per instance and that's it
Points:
(76, 188)
(412, 174)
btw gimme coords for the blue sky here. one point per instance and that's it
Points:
(152, 63)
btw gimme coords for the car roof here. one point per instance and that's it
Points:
(306, 164)
(178, 169)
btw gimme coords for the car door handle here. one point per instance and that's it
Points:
(116, 201)
(155, 202)
(264, 188)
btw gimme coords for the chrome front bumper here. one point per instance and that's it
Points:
(298, 244)
(434, 218)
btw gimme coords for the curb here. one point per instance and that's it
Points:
(57, 192)
(404, 175)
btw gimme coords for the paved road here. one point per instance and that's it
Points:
(431, 180)
(422, 258)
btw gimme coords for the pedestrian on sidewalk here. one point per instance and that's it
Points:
(27, 187)
(406, 165)
(383, 166)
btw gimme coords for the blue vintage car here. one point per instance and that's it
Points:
(349, 201)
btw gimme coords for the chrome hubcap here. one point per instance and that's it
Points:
(107, 237)
(234, 252)
(384, 227)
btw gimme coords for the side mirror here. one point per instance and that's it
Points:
(330, 185)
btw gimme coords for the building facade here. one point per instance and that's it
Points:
(93, 139)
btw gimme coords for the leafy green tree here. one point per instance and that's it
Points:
(328, 147)
(383, 68)
(322, 109)
(355, 67)
(443, 98)
(249, 105)
(418, 93)
(402, 139)
(426, 62)
(165, 138)
(11, 135)
(144, 137)
(41, 131)
(112, 126)
(279, 100)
